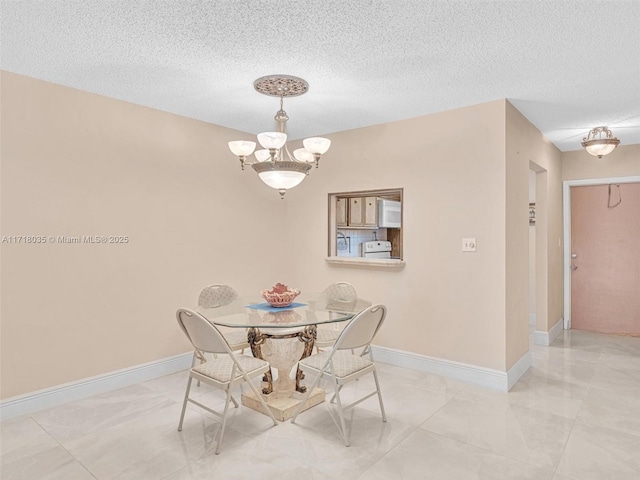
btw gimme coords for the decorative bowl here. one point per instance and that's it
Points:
(280, 295)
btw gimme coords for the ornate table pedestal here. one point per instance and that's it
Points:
(282, 348)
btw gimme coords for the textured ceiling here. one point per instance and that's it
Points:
(567, 66)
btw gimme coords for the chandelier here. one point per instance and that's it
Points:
(274, 164)
(600, 142)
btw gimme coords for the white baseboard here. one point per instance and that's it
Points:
(532, 319)
(547, 338)
(518, 370)
(52, 397)
(481, 376)
(58, 395)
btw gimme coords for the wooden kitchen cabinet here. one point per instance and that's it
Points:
(341, 212)
(363, 212)
(356, 212)
(370, 211)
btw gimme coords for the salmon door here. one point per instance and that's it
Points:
(605, 258)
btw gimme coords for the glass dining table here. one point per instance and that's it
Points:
(282, 336)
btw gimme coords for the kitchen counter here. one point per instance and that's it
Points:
(366, 262)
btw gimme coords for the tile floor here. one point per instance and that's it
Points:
(575, 415)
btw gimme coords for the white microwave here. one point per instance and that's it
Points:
(389, 213)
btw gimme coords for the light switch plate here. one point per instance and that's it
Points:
(468, 244)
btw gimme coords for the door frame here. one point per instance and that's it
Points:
(566, 220)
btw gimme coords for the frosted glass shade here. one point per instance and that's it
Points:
(262, 155)
(600, 148)
(600, 142)
(317, 145)
(303, 155)
(281, 175)
(281, 179)
(242, 148)
(272, 139)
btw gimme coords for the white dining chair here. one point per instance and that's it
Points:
(224, 371)
(337, 293)
(219, 295)
(339, 366)
(215, 296)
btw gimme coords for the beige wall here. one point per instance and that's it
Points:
(444, 303)
(74, 163)
(624, 161)
(517, 238)
(528, 148)
(532, 247)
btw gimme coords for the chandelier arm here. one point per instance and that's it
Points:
(290, 157)
(245, 163)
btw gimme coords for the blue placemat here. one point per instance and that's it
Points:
(268, 308)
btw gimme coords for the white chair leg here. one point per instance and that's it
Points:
(333, 399)
(375, 377)
(261, 400)
(224, 420)
(193, 363)
(345, 433)
(233, 400)
(184, 403)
